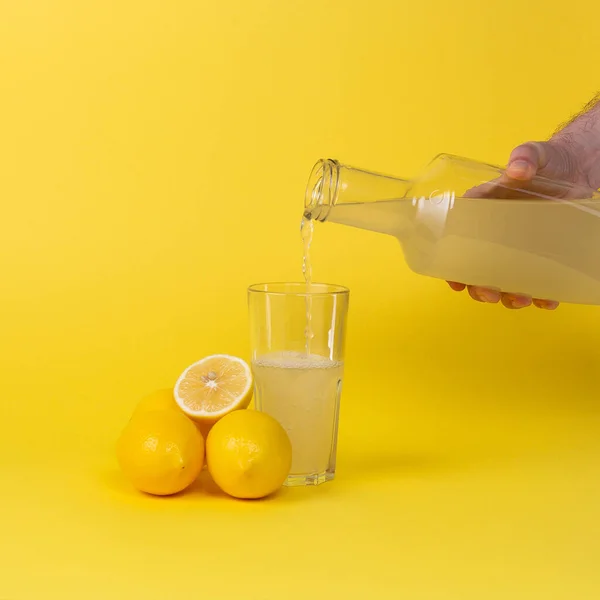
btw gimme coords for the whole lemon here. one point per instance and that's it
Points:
(158, 400)
(161, 452)
(248, 454)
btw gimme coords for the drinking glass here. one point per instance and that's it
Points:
(298, 335)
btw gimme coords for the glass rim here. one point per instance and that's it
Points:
(296, 288)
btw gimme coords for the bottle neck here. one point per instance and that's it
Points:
(322, 189)
(331, 184)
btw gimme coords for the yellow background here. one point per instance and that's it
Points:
(153, 157)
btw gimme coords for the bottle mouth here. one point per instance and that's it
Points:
(321, 189)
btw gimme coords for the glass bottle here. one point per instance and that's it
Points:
(466, 221)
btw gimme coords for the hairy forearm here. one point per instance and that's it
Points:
(580, 136)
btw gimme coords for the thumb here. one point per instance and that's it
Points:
(527, 159)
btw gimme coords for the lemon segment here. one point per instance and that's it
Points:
(213, 387)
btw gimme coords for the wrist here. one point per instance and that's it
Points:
(579, 145)
(579, 159)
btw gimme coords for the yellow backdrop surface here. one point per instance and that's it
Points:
(153, 157)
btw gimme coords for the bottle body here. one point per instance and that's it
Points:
(539, 241)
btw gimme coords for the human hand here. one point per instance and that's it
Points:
(551, 160)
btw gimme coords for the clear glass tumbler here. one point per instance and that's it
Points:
(298, 335)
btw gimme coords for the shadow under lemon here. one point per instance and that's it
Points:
(205, 489)
(206, 486)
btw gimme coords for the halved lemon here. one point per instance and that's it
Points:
(213, 387)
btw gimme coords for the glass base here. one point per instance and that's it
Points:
(309, 479)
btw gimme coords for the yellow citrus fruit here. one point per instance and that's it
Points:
(213, 387)
(159, 400)
(248, 454)
(161, 452)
